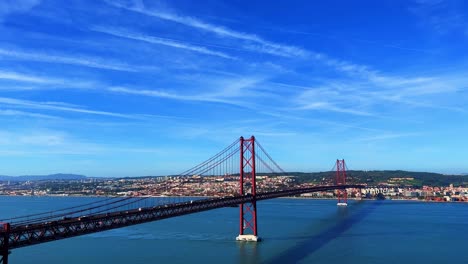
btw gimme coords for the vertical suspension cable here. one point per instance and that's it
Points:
(224, 165)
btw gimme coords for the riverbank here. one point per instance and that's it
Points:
(198, 197)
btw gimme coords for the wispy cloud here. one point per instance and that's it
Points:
(317, 121)
(175, 96)
(257, 43)
(432, 86)
(162, 41)
(153, 93)
(367, 73)
(387, 136)
(273, 134)
(333, 108)
(9, 112)
(364, 94)
(42, 138)
(17, 6)
(215, 90)
(350, 68)
(66, 107)
(347, 39)
(225, 91)
(75, 60)
(334, 98)
(420, 104)
(442, 16)
(43, 82)
(422, 92)
(15, 76)
(53, 142)
(58, 107)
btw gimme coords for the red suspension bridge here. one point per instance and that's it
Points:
(241, 161)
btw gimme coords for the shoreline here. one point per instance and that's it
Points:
(366, 199)
(172, 197)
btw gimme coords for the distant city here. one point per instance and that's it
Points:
(393, 187)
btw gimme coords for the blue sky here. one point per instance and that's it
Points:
(128, 88)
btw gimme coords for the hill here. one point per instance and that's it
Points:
(58, 176)
(393, 177)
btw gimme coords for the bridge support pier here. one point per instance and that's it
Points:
(342, 194)
(248, 211)
(5, 249)
(248, 238)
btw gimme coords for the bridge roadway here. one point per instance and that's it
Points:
(27, 235)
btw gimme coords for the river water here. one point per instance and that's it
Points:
(293, 231)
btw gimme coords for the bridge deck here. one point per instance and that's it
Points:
(27, 235)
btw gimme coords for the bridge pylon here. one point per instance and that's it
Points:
(247, 182)
(340, 179)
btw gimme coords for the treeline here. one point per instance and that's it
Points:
(396, 177)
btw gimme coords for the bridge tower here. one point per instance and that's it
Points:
(248, 211)
(341, 180)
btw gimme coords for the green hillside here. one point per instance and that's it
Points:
(396, 177)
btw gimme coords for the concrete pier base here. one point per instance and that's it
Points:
(249, 238)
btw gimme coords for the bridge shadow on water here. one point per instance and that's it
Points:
(346, 218)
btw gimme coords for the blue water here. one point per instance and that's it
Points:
(293, 231)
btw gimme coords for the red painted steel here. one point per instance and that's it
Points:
(241, 184)
(248, 186)
(341, 180)
(254, 187)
